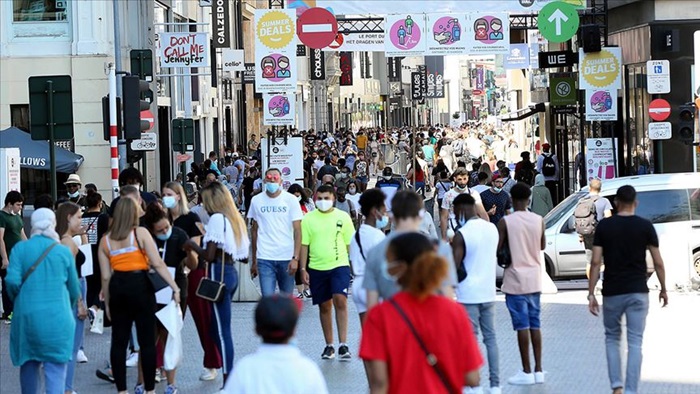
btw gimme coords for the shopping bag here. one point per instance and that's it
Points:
(98, 325)
(171, 318)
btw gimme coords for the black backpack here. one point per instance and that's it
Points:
(526, 174)
(549, 168)
(586, 215)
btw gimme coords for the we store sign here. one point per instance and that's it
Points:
(184, 50)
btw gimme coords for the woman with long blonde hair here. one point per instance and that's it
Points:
(225, 242)
(126, 253)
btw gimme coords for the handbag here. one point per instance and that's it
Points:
(503, 253)
(157, 281)
(429, 357)
(210, 289)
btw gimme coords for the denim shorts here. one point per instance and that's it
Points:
(324, 284)
(524, 310)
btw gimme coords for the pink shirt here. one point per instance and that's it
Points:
(524, 238)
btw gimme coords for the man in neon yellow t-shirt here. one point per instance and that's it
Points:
(325, 239)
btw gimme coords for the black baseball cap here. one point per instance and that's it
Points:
(276, 318)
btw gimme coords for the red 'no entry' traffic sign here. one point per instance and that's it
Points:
(317, 28)
(659, 110)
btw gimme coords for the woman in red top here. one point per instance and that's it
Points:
(395, 359)
(420, 175)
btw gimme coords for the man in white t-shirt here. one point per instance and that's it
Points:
(474, 245)
(447, 216)
(276, 235)
(277, 366)
(367, 237)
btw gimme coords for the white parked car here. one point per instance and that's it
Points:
(670, 201)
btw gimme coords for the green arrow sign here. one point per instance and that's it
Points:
(558, 21)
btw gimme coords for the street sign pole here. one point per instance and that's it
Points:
(113, 143)
(52, 142)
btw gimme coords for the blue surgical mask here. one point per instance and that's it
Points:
(272, 188)
(75, 194)
(169, 201)
(166, 236)
(497, 189)
(382, 222)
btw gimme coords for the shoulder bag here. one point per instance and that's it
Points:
(503, 253)
(38, 261)
(429, 357)
(210, 289)
(154, 277)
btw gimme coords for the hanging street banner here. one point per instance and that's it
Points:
(444, 33)
(488, 33)
(416, 93)
(601, 105)
(383, 7)
(184, 50)
(278, 109)
(600, 158)
(317, 65)
(406, 35)
(435, 76)
(357, 42)
(518, 58)
(222, 28)
(600, 70)
(275, 51)
(423, 80)
(562, 90)
(346, 66)
(233, 60)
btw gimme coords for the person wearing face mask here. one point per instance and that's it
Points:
(170, 241)
(367, 237)
(496, 200)
(408, 216)
(132, 177)
(275, 235)
(447, 216)
(388, 185)
(326, 236)
(390, 347)
(354, 195)
(73, 190)
(343, 179)
(11, 232)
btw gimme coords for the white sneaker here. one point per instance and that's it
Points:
(132, 360)
(472, 390)
(81, 358)
(495, 390)
(539, 377)
(522, 378)
(208, 374)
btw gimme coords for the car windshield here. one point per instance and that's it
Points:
(564, 208)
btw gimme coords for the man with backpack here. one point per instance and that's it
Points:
(525, 169)
(590, 210)
(548, 165)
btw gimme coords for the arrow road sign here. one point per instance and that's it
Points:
(558, 21)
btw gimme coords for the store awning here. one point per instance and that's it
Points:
(35, 154)
(523, 113)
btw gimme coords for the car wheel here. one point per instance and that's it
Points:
(549, 266)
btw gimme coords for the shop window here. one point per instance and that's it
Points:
(19, 116)
(39, 10)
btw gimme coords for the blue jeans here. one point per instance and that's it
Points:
(222, 312)
(77, 340)
(483, 316)
(274, 273)
(54, 377)
(635, 307)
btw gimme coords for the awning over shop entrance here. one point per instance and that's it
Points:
(35, 154)
(523, 113)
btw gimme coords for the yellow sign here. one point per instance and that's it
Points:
(275, 29)
(600, 69)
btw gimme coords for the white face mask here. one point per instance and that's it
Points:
(324, 205)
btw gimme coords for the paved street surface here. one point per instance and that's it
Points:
(574, 354)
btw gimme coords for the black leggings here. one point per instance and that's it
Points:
(131, 299)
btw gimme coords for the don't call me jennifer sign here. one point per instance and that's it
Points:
(184, 50)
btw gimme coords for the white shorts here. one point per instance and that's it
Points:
(359, 295)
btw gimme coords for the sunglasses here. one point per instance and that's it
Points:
(272, 177)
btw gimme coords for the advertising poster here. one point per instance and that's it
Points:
(275, 51)
(600, 70)
(444, 33)
(289, 159)
(279, 109)
(382, 7)
(600, 158)
(601, 104)
(184, 50)
(518, 58)
(346, 66)
(357, 42)
(488, 33)
(406, 35)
